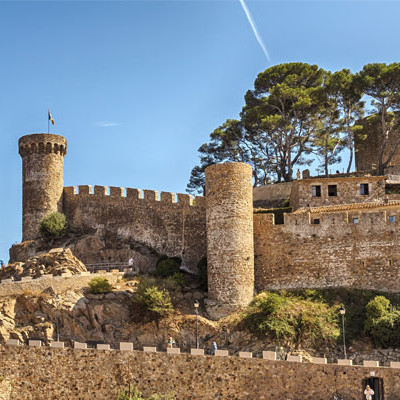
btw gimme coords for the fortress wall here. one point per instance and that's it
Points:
(164, 226)
(47, 374)
(337, 252)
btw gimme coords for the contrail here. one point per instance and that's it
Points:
(255, 30)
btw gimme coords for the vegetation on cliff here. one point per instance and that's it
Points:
(100, 285)
(311, 319)
(383, 322)
(133, 393)
(287, 319)
(53, 225)
(150, 301)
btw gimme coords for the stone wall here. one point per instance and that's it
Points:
(161, 225)
(348, 191)
(271, 196)
(334, 253)
(57, 283)
(44, 374)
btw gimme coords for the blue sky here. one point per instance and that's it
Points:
(137, 86)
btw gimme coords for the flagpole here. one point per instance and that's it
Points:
(48, 122)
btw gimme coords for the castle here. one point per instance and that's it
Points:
(343, 231)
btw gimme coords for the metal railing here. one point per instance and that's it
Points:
(108, 266)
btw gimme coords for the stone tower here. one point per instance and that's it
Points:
(42, 178)
(230, 248)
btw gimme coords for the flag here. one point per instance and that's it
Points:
(51, 118)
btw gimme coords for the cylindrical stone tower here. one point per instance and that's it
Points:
(42, 179)
(230, 248)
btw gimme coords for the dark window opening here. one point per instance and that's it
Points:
(392, 188)
(376, 384)
(332, 190)
(392, 219)
(364, 190)
(316, 221)
(316, 191)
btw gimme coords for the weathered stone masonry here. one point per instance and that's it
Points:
(336, 252)
(165, 226)
(48, 374)
(230, 251)
(42, 178)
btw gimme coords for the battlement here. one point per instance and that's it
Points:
(135, 195)
(42, 143)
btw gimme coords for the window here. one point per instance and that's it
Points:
(316, 221)
(332, 190)
(392, 219)
(356, 220)
(364, 189)
(316, 191)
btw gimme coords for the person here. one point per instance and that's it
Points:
(171, 341)
(368, 393)
(213, 348)
(130, 262)
(298, 175)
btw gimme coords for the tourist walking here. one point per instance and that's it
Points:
(171, 341)
(368, 393)
(213, 348)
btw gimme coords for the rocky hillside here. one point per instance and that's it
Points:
(55, 262)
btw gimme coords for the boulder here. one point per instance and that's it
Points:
(55, 262)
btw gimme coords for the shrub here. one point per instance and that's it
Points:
(291, 320)
(166, 266)
(136, 394)
(100, 285)
(53, 225)
(179, 279)
(153, 299)
(278, 212)
(383, 322)
(286, 203)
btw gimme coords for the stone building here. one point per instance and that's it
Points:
(344, 231)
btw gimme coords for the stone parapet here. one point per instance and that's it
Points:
(197, 352)
(222, 353)
(173, 350)
(345, 362)
(269, 355)
(126, 346)
(231, 377)
(149, 349)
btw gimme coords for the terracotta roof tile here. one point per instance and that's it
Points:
(348, 207)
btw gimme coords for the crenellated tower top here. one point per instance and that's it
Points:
(42, 143)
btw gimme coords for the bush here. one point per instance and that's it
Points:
(179, 279)
(100, 285)
(136, 394)
(292, 320)
(153, 299)
(166, 266)
(383, 322)
(278, 212)
(53, 225)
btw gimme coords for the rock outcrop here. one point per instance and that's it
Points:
(56, 262)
